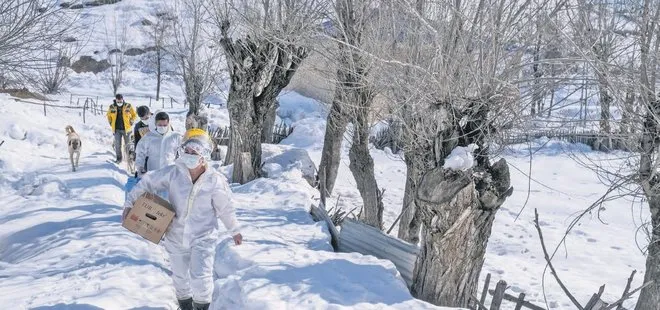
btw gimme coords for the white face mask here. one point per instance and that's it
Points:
(120, 103)
(162, 129)
(191, 161)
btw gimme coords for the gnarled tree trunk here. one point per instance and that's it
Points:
(457, 211)
(259, 69)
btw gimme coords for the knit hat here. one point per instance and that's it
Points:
(199, 141)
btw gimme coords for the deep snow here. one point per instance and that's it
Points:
(61, 245)
(61, 242)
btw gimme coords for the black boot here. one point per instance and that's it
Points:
(201, 306)
(186, 304)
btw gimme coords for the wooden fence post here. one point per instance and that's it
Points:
(498, 295)
(482, 300)
(520, 302)
(45, 108)
(171, 103)
(84, 110)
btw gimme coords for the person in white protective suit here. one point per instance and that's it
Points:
(199, 195)
(159, 147)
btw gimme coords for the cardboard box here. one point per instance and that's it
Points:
(150, 217)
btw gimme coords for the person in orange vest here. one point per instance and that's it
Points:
(121, 116)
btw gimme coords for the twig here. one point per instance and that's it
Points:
(395, 221)
(625, 291)
(479, 305)
(549, 262)
(626, 296)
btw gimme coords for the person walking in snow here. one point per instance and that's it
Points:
(121, 116)
(196, 192)
(141, 128)
(159, 148)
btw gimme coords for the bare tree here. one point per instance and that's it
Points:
(264, 43)
(116, 46)
(160, 33)
(354, 30)
(54, 71)
(598, 27)
(197, 58)
(629, 77)
(648, 165)
(453, 73)
(27, 28)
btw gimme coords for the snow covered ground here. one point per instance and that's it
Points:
(61, 243)
(596, 252)
(62, 247)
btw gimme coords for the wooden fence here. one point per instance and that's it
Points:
(594, 139)
(221, 134)
(84, 108)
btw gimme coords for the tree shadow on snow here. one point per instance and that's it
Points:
(342, 275)
(67, 307)
(34, 240)
(274, 217)
(95, 208)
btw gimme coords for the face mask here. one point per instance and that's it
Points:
(120, 103)
(191, 161)
(162, 129)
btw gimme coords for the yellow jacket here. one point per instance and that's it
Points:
(128, 114)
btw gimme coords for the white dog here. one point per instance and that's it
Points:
(75, 145)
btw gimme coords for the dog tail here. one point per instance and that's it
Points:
(69, 129)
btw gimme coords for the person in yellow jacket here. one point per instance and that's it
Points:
(121, 116)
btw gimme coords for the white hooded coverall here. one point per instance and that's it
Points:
(157, 150)
(193, 234)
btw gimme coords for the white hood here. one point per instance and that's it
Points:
(198, 206)
(157, 150)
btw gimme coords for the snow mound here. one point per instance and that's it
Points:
(461, 158)
(41, 185)
(16, 132)
(295, 107)
(289, 158)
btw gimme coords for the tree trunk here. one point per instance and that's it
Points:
(537, 96)
(649, 298)
(334, 136)
(457, 212)
(158, 72)
(605, 103)
(244, 133)
(362, 166)
(259, 69)
(269, 124)
(410, 217)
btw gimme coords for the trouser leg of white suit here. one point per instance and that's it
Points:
(180, 266)
(201, 270)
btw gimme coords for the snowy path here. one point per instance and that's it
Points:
(62, 246)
